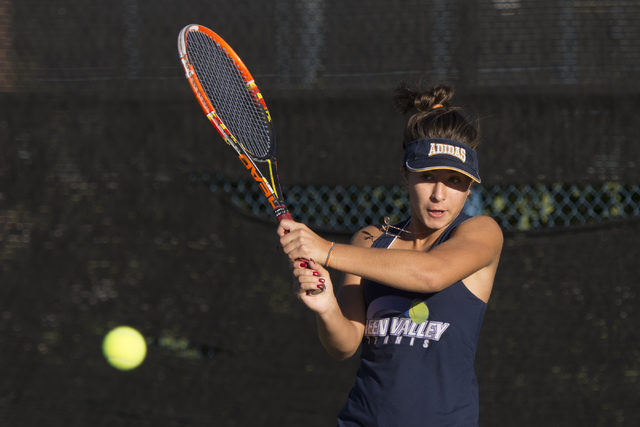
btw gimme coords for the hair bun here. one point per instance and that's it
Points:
(418, 98)
(432, 116)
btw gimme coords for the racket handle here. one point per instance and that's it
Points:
(287, 215)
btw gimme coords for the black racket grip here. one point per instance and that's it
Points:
(287, 215)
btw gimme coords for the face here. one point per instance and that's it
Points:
(437, 196)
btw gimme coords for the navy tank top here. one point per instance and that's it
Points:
(418, 350)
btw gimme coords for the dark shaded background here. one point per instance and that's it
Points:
(104, 220)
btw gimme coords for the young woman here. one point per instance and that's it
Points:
(413, 294)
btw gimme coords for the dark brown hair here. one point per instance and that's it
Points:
(429, 122)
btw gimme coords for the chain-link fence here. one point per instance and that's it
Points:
(515, 207)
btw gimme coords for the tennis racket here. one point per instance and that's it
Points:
(233, 103)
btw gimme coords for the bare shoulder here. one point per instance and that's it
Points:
(365, 237)
(481, 223)
(481, 227)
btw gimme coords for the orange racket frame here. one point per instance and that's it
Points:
(271, 191)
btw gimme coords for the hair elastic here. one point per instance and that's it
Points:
(326, 263)
(437, 106)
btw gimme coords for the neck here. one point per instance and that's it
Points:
(419, 236)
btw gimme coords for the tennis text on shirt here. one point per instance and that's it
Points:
(399, 327)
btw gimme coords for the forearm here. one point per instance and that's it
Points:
(400, 269)
(339, 336)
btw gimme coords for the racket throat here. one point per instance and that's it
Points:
(275, 203)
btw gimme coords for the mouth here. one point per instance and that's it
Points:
(436, 213)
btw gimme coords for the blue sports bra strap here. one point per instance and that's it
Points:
(393, 231)
(462, 217)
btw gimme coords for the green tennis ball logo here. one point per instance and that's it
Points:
(419, 312)
(124, 348)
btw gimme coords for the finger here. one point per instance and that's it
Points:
(306, 278)
(285, 227)
(318, 267)
(313, 288)
(310, 266)
(290, 248)
(299, 263)
(316, 291)
(306, 272)
(284, 241)
(286, 237)
(316, 287)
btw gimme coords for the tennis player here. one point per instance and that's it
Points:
(414, 293)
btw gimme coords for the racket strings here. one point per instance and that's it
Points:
(223, 84)
(228, 95)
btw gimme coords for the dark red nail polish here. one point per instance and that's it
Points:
(303, 265)
(315, 273)
(323, 287)
(321, 280)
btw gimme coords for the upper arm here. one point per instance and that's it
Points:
(481, 236)
(472, 253)
(350, 296)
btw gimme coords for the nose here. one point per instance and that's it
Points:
(438, 193)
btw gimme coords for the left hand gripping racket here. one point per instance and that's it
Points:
(232, 102)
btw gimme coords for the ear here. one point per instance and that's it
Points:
(403, 171)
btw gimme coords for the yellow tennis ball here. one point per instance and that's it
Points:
(419, 312)
(124, 348)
